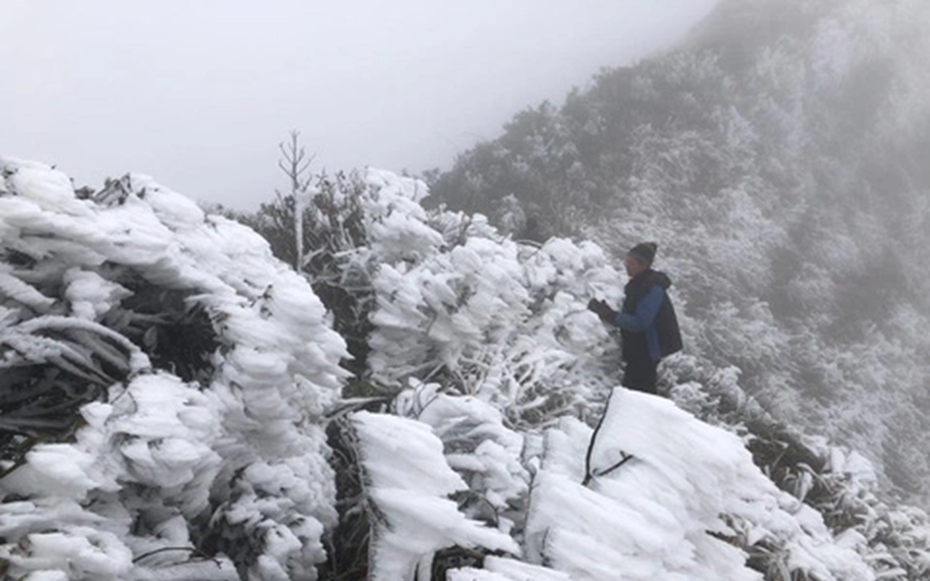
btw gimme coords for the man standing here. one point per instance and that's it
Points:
(647, 321)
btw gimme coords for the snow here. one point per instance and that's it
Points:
(408, 481)
(89, 552)
(651, 516)
(56, 469)
(206, 570)
(517, 571)
(49, 189)
(91, 296)
(498, 371)
(507, 319)
(196, 445)
(498, 569)
(396, 219)
(476, 444)
(470, 574)
(14, 288)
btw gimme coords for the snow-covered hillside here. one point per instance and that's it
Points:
(172, 408)
(779, 157)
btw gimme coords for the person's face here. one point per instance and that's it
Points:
(633, 265)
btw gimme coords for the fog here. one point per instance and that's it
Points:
(199, 94)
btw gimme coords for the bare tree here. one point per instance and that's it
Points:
(295, 163)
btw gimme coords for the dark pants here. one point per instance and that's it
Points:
(640, 375)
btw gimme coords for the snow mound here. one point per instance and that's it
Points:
(687, 504)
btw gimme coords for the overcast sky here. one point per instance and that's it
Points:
(199, 93)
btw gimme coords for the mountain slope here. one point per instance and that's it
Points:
(779, 158)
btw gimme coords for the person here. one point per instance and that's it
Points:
(647, 321)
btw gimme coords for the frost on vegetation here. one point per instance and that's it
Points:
(396, 221)
(500, 569)
(483, 314)
(180, 379)
(839, 483)
(162, 384)
(439, 296)
(480, 448)
(407, 482)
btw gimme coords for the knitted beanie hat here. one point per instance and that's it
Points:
(644, 252)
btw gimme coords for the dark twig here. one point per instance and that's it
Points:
(624, 458)
(589, 473)
(192, 550)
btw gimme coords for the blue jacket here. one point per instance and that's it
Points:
(643, 320)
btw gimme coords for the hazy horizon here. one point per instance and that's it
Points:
(200, 95)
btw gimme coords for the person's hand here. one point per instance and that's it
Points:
(602, 310)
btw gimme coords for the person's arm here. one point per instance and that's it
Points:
(602, 310)
(645, 313)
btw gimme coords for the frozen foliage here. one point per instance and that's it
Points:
(479, 447)
(112, 298)
(484, 315)
(497, 569)
(198, 374)
(836, 481)
(706, 482)
(430, 352)
(165, 383)
(408, 481)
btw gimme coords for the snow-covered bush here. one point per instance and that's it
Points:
(480, 448)
(440, 296)
(436, 278)
(840, 483)
(163, 385)
(459, 304)
(332, 226)
(407, 482)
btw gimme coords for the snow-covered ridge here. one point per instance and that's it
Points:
(203, 371)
